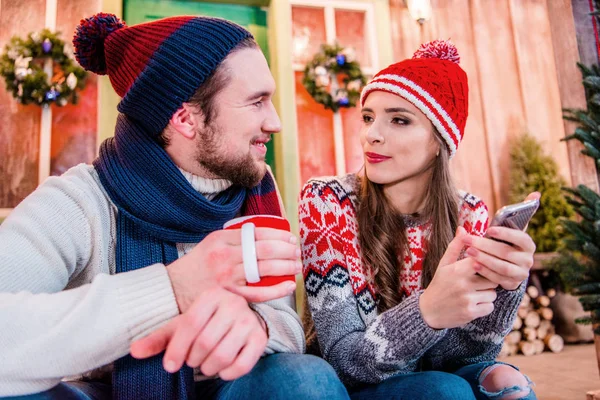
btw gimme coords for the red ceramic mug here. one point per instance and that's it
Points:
(263, 221)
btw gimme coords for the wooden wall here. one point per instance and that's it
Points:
(18, 153)
(519, 55)
(568, 47)
(74, 128)
(518, 82)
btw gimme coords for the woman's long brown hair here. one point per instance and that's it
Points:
(382, 231)
(382, 236)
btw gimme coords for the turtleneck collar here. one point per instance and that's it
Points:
(209, 188)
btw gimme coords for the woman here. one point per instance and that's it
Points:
(408, 299)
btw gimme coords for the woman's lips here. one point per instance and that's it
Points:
(375, 158)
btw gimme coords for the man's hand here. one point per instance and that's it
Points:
(501, 263)
(217, 261)
(218, 333)
(456, 294)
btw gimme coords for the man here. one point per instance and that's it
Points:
(106, 254)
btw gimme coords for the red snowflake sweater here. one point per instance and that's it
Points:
(362, 345)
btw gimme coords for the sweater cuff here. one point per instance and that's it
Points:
(283, 325)
(408, 313)
(507, 302)
(432, 335)
(146, 300)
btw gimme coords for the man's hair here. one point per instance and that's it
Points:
(204, 97)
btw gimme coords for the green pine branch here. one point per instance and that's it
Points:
(579, 263)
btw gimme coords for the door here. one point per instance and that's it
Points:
(328, 142)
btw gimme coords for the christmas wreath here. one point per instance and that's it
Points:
(22, 67)
(333, 77)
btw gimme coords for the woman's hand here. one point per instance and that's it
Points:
(506, 265)
(456, 294)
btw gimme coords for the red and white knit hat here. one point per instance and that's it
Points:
(434, 83)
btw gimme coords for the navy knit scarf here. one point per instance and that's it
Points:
(158, 208)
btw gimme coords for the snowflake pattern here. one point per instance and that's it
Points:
(331, 250)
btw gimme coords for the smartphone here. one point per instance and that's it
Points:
(515, 216)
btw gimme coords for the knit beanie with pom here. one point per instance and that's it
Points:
(434, 83)
(156, 66)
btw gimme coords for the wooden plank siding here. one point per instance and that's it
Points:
(538, 77)
(520, 58)
(471, 166)
(499, 83)
(19, 125)
(74, 127)
(572, 94)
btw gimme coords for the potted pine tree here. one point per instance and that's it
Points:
(579, 262)
(533, 170)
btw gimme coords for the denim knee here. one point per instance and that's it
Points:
(426, 385)
(316, 378)
(446, 386)
(290, 376)
(475, 374)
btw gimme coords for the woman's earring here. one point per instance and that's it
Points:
(438, 154)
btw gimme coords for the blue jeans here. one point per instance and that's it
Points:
(75, 390)
(278, 376)
(463, 384)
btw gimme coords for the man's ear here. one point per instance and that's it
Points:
(186, 121)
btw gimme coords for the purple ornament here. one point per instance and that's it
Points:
(46, 46)
(341, 59)
(343, 101)
(51, 95)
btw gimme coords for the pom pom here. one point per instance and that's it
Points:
(442, 49)
(89, 40)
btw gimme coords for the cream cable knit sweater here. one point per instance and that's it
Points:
(63, 311)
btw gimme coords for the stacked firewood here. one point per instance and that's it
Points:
(533, 331)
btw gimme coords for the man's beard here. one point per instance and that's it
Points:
(241, 170)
